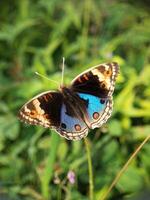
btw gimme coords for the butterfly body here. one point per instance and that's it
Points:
(73, 110)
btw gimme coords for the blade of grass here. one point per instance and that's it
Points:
(48, 172)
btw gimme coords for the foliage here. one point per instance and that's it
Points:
(34, 36)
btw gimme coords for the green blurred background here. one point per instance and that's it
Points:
(34, 36)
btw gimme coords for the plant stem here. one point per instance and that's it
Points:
(91, 185)
(48, 172)
(124, 168)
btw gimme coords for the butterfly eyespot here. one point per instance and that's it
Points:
(95, 115)
(63, 125)
(102, 101)
(108, 73)
(77, 127)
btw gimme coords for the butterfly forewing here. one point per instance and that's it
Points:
(98, 80)
(43, 110)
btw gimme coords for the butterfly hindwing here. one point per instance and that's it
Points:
(43, 110)
(72, 126)
(98, 80)
(98, 109)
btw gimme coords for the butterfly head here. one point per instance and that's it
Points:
(66, 92)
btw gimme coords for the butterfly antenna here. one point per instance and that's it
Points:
(41, 75)
(63, 69)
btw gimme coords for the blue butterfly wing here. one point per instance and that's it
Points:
(98, 109)
(71, 127)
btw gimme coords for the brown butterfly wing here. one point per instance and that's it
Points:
(43, 110)
(98, 80)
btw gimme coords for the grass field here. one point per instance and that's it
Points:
(34, 36)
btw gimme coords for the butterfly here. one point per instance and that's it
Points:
(85, 104)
